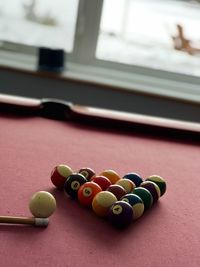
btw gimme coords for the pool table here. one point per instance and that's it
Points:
(36, 135)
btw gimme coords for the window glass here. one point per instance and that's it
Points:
(39, 22)
(160, 34)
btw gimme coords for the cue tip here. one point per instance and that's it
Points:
(41, 221)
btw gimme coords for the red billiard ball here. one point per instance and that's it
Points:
(102, 181)
(87, 192)
(87, 172)
(120, 214)
(60, 174)
(117, 190)
(73, 183)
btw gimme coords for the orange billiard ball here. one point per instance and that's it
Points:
(111, 175)
(102, 203)
(87, 192)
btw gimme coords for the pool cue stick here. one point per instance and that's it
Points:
(24, 220)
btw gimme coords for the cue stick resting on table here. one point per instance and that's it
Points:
(24, 220)
(63, 110)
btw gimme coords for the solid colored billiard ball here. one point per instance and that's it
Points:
(102, 203)
(42, 204)
(60, 174)
(87, 172)
(134, 177)
(111, 175)
(127, 184)
(161, 183)
(120, 214)
(117, 190)
(145, 195)
(73, 183)
(136, 203)
(102, 181)
(87, 192)
(153, 189)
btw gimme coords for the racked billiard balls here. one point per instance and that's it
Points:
(161, 183)
(117, 190)
(111, 175)
(127, 184)
(153, 189)
(136, 203)
(145, 195)
(60, 174)
(87, 172)
(73, 183)
(102, 202)
(102, 181)
(87, 192)
(134, 177)
(120, 214)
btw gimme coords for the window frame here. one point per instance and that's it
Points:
(138, 78)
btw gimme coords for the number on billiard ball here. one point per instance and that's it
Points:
(87, 192)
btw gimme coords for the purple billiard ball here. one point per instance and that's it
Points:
(120, 214)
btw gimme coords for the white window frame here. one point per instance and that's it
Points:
(83, 64)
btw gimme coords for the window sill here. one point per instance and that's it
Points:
(115, 79)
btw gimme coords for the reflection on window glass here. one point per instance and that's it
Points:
(39, 22)
(152, 33)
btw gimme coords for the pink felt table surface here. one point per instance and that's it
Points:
(167, 235)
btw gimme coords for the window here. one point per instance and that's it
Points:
(151, 33)
(154, 37)
(39, 23)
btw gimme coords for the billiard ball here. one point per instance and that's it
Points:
(120, 214)
(102, 181)
(60, 174)
(161, 183)
(145, 195)
(42, 204)
(87, 192)
(136, 203)
(73, 183)
(153, 189)
(127, 184)
(102, 203)
(117, 190)
(134, 177)
(111, 175)
(87, 172)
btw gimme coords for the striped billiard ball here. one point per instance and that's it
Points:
(136, 203)
(102, 203)
(60, 174)
(161, 183)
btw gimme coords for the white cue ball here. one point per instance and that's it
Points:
(42, 204)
